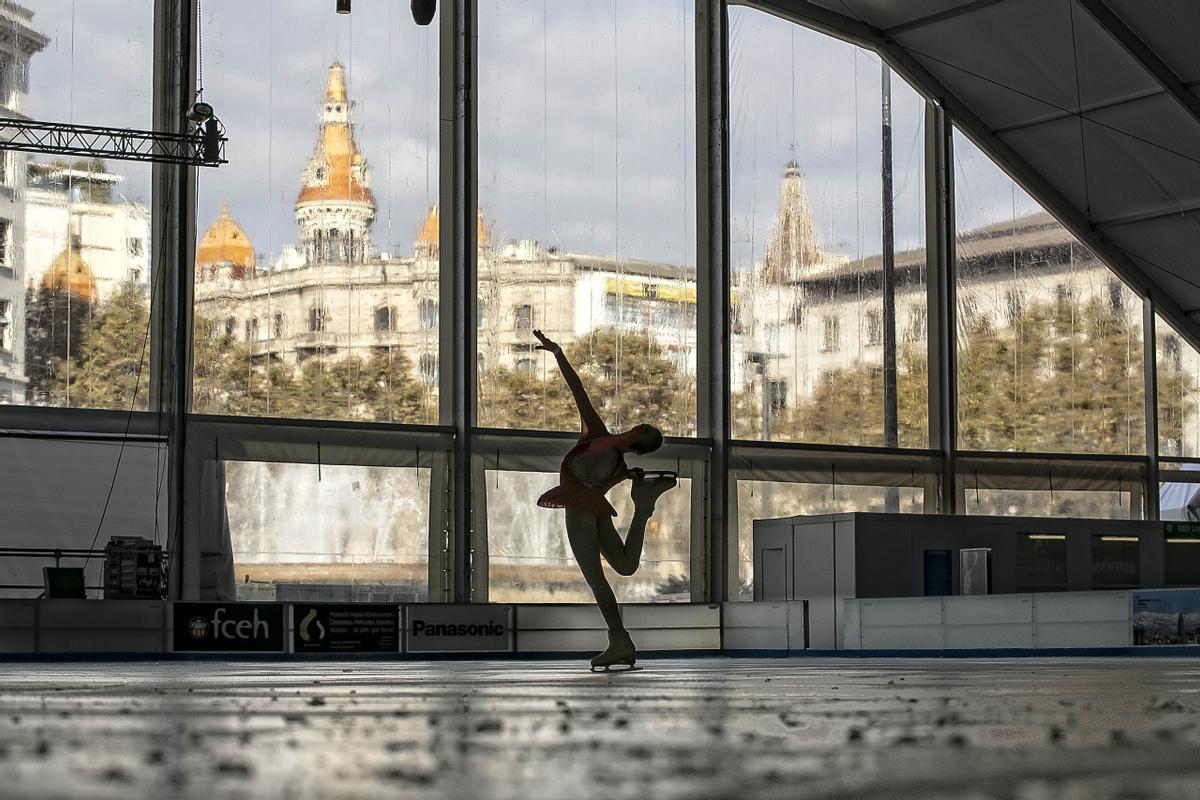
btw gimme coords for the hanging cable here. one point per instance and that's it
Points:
(1087, 195)
(154, 289)
(199, 50)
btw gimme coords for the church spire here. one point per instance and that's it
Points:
(793, 249)
(335, 207)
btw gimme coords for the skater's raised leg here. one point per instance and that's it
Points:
(624, 557)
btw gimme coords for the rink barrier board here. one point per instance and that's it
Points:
(1078, 623)
(990, 623)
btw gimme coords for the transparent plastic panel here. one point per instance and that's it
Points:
(1051, 503)
(333, 533)
(772, 499)
(75, 233)
(587, 211)
(1178, 394)
(807, 216)
(530, 560)
(317, 261)
(1049, 339)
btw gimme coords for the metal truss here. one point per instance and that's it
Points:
(205, 147)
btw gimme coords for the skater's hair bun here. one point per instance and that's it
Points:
(649, 439)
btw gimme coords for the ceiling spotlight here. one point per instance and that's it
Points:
(422, 11)
(343, 6)
(200, 112)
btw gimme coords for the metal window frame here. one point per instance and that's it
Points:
(480, 447)
(459, 451)
(943, 114)
(716, 537)
(458, 270)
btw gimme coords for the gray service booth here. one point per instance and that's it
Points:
(825, 559)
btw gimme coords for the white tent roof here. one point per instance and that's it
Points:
(1093, 105)
(1180, 501)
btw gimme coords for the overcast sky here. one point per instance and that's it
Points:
(586, 119)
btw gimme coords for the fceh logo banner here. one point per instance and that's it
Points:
(229, 627)
(447, 628)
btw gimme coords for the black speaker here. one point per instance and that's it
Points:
(423, 10)
(64, 583)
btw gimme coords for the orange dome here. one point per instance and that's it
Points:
(336, 168)
(70, 273)
(430, 230)
(226, 243)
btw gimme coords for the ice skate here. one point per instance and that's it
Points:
(620, 652)
(646, 489)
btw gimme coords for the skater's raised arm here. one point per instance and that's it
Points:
(589, 421)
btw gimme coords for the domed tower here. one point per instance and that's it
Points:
(225, 246)
(428, 235)
(793, 249)
(71, 274)
(335, 208)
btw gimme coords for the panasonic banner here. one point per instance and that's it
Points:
(228, 627)
(445, 628)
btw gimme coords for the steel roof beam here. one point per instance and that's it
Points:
(1144, 55)
(940, 16)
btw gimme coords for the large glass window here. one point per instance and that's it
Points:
(1178, 394)
(328, 532)
(587, 211)
(325, 220)
(530, 561)
(75, 234)
(1049, 340)
(808, 230)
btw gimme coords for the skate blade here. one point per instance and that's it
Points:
(616, 668)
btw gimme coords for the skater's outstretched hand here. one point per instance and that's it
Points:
(590, 423)
(546, 343)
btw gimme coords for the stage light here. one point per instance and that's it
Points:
(200, 112)
(423, 10)
(343, 6)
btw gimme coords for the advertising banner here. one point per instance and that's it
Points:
(228, 627)
(345, 628)
(445, 628)
(1166, 616)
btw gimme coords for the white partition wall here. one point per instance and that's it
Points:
(1052, 621)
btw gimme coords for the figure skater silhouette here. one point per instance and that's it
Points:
(592, 467)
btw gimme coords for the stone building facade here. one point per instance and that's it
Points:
(800, 313)
(333, 295)
(19, 42)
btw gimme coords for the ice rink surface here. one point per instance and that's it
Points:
(684, 728)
